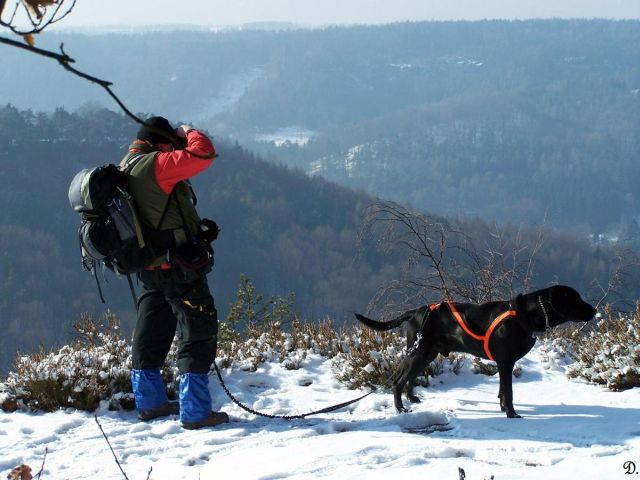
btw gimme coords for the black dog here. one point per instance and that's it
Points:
(500, 331)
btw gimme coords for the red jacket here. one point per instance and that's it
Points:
(173, 167)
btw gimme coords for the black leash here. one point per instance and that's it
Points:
(332, 408)
(285, 417)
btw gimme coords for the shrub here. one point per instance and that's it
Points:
(77, 375)
(610, 353)
(95, 367)
(270, 343)
(370, 359)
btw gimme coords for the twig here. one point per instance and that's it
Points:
(46, 450)
(65, 61)
(36, 50)
(39, 23)
(111, 448)
(149, 474)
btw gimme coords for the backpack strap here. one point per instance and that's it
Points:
(184, 222)
(132, 162)
(89, 264)
(166, 208)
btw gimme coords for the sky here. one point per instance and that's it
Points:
(569, 430)
(89, 13)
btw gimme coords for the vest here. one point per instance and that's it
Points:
(151, 201)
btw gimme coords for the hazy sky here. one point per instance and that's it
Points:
(323, 12)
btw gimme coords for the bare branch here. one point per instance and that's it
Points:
(625, 271)
(39, 51)
(37, 15)
(441, 262)
(110, 447)
(46, 450)
(65, 61)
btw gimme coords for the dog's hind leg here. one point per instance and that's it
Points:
(429, 357)
(505, 394)
(411, 366)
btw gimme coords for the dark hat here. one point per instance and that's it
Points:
(153, 128)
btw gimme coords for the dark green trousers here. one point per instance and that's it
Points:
(175, 302)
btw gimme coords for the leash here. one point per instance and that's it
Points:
(425, 319)
(284, 417)
(332, 408)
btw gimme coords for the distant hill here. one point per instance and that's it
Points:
(505, 120)
(286, 231)
(283, 230)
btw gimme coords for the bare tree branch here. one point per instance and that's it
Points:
(65, 61)
(110, 447)
(625, 271)
(47, 18)
(440, 262)
(37, 20)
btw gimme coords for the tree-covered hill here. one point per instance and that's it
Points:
(283, 230)
(286, 231)
(506, 120)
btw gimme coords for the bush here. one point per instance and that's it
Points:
(77, 375)
(610, 353)
(95, 367)
(370, 359)
(273, 344)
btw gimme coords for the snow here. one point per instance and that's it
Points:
(351, 159)
(293, 135)
(228, 94)
(569, 429)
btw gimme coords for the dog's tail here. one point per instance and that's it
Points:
(383, 326)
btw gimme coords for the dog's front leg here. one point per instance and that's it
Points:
(505, 370)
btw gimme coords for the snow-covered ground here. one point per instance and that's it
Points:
(569, 430)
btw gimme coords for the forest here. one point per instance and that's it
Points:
(520, 135)
(511, 121)
(286, 231)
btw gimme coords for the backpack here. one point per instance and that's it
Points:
(110, 232)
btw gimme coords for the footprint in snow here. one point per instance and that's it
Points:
(65, 427)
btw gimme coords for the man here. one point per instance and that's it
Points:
(175, 294)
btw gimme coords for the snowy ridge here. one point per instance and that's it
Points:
(569, 428)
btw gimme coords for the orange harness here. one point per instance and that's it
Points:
(482, 338)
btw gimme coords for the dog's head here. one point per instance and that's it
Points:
(552, 306)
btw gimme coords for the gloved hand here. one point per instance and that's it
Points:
(209, 230)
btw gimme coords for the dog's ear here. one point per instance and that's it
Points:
(519, 303)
